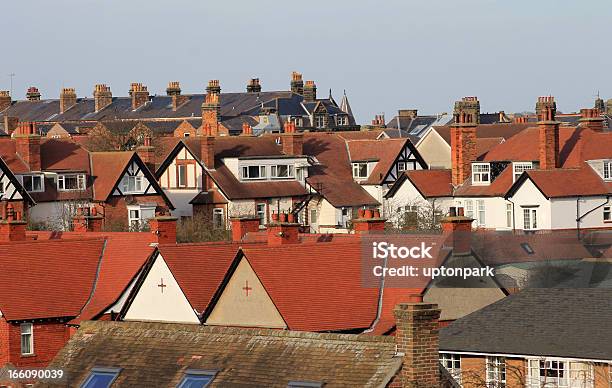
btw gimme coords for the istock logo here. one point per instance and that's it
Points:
(385, 250)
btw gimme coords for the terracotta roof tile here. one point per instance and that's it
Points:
(383, 151)
(107, 168)
(554, 183)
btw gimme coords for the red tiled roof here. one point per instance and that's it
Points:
(63, 155)
(505, 131)
(384, 151)
(10, 157)
(569, 182)
(431, 183)
(497, 188)
(484, 145)
(107, 168)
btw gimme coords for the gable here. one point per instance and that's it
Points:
(194, 172)
(10, 187)
(235, 308)
(435, 150)
(134, 173)
(409, 156)
(160, 298)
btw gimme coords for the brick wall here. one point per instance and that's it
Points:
(184, 128)
(4, 342)
(115, 209)
(49, 338)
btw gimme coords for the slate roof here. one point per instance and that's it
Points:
(505, 131)
(552, 323)
(240, 357)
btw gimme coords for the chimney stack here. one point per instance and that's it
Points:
(463, 147)
(297, 84)
(214, 87)
(379, 121)
(27, 145)
(283, 230)
(5, 99)
(247, 130)
(174, 90)
(469, 106)
(546, 109)
(102, 97)
(68, 99)
(253, 86)
(207, 152)
(292, 141)
(139, 94)
(33, 94)
(164, 228)
(521, 119)
(591, 118)
(243, 225)
(146, 152)
(368, 221)
(417, 339)
(410, 113)
(12, 227)
(457, 230)
(310, 91)
(211, 114)
(87, 220)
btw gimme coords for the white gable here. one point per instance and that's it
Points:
(160, 298)
(134, 181)
(8, 190)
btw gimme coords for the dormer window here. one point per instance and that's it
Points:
(282, 171)
(319, 121)
(254, 172)
(520, 167)
(360, 170)
(342, 120)
(481, 173)
(32, 183)
(71, 182)
(607, 170)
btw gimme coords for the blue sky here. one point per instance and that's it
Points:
(387, 54)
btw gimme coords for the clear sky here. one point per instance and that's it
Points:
(387, 54)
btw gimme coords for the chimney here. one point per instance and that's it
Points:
(214, 87)
(146, 152)
(417, 341)
(27, 145)
(211, 113)
(283, 230)
(174, 90)
(243, 225)
(297, 84)
(68, 99)
(253, 86)
(10, 124)
(87, 220)
(310, 91)
(139, 94)
(463, 147)
(368, 221)
(521, 119)
(599, 104)
(12, 227)
(549, 133)
(247, 130)
(5, 99)
(102, 97)
(379, 121)
(410, 113)
(457, 230)
(293, 142)
(164, 228)
(33, 94)
(591, 118)
(207, 152)
(470, 106)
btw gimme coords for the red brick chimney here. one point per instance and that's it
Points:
(12, 227)
(457, 230)
(549, 133)
(33, 94)
(146, 152)
(417, 340)
(87, 220)
(591, 118)
(379, 121)
(103, 97)
(463, 147)
(243, 225)
(368, 221)
(27, 145)
(174, 90)
(164, 228)
(297, 83)
(253, 86)
(68, 99)
(5, 99)
(521, 119)
(139, 94)
(293, 142)
(247, 130)
(214, 87)
(207, 152)
(310, 91)
(211, 113)
(283, 230)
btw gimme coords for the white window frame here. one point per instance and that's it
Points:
(509, 215)
(61, 182)
(519, 167)
(319, 121)
(32, 177)
(357, 169)
(452, 363)
(134, 222)
(567, 374)
(217, 214)
(607, 214)
(402, 166)
(274, 170)
(481, 212)
(481, 174)
(496, 372)
(260, 211)
(530, 218)
(1, 189)
(469, 208)
(607, 170)
(246, 174)
(180, 184)
(27, 331)
(136, 180)
(342, 120)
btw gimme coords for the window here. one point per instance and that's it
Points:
(27, 339)
(101, 378)
(452, 363)
(218, 219)
(342, 120)
(134, 218)
(139, 215)
(304, 384)
(254, 172)
(469, 208)
(70, 182)
(319, 121)
(481, 173)
(196, 379)
(496, 372)
(131, 184)
(520, 167)
(32, 183)
(360, 170)
(409, 216)
(1, 188)
(186, 134)
(607, 213)
(509, 215)
(261, 213)
(282, 171)
(181, 175)
(530, 217)
(481, 211)
(558, 373)
(401, 166)
(607, 170)
(313, 216)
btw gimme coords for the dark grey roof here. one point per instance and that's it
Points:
(539, 322)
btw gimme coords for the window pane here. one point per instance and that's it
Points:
(99, 379)
(195, 381)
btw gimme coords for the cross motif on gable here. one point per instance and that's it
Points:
(247, 289)
(162, 285)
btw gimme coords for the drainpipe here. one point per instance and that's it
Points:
(580, 217)
(513, 217)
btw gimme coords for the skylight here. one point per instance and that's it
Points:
(304, 384)
(101, 378)
(196, 379)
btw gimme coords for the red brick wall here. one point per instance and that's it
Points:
(184, 128)
(4, 342)
(115, 209)
(49, 338)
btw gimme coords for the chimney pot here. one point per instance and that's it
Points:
(297, 84)
(33, 94)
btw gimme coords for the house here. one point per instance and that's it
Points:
(525, 340)
(12, 191)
